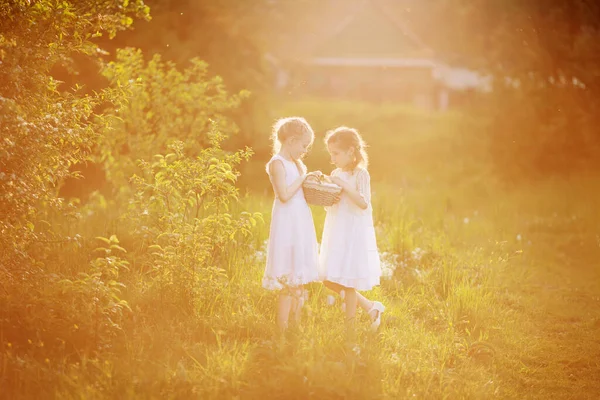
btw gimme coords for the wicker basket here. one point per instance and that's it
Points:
(319, 193)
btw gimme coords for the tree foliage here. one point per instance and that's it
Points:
(44, 130)
(61, 258)
(182, 210)
(543, 57)
(162, 105)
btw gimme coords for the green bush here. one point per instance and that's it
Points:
(180, 211)
(45, 131)
(47, 320)
(162, 105)
(537, 132)
(65, 301)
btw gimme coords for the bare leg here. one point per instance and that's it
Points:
(362, 301)
(284, 304)
(293, 309)
(297, 303)
(351, 303)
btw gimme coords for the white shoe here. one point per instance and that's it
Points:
(379, 308)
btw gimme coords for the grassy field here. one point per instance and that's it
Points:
(496, 299)
(492, 291)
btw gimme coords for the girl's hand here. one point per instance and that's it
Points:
(338, 181)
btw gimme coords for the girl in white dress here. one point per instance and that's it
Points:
(292, 251)
(349, 260)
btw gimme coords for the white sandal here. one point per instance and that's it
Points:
(380, 308)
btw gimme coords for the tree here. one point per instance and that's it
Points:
(162, 104)
(543, 57)
(45, 131)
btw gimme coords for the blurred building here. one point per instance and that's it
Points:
(372, 55)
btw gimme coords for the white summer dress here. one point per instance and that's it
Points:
(349, 253)
(292, 251)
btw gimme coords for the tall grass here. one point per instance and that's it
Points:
(490, 292)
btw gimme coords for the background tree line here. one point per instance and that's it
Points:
(542, 58)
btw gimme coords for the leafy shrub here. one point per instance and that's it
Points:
(181, 210)
(48, 321)
(161, 105)
(45, 131)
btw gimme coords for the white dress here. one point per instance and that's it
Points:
(349, 253)
(292, 251)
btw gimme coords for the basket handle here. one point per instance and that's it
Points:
(317, 178)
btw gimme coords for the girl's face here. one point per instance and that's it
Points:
(342, 158)
(298, 145)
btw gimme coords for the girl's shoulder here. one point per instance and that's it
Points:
(360, 171)
(276, 157)
(335, 172)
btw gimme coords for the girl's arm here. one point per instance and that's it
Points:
(361, 196)
(282, 191)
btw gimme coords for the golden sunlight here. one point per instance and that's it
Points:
(271, 199)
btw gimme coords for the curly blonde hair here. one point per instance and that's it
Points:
(286, 128)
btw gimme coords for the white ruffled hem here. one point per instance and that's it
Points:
(285, 281)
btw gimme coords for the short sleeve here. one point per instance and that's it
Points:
(363, 185)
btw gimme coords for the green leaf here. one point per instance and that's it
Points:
(103, 239)
(117, 247)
